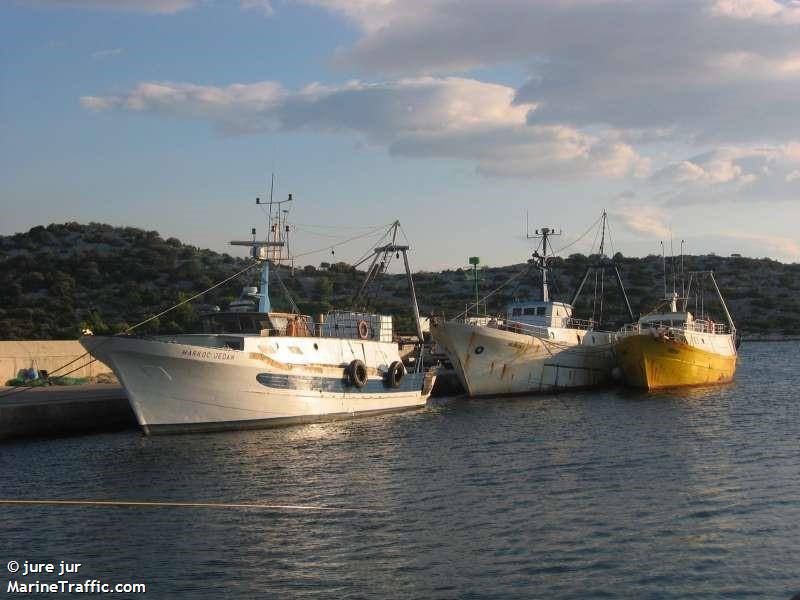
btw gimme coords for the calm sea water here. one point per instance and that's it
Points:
(686, 494)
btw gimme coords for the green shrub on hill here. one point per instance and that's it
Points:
(57, 280)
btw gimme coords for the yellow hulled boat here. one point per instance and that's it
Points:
(672, 348)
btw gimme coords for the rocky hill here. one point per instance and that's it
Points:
(59, 279)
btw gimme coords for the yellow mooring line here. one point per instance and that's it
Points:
(145, 504)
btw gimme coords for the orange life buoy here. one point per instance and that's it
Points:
(363, 329)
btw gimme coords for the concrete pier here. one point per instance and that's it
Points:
(64, 410)
(50, 355)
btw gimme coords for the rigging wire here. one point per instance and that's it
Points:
(286, 292)
(316, 233)
(371, 251)
(578, 239)
(493, 292)
(347, 241)
(336, 226)
(610, 241)
(128, 330)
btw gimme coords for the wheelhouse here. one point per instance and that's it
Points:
(538, 312)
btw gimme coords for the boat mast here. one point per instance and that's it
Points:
(664, 268)
(271, 249)
(544, 234)
(600, 265)
(683, 277)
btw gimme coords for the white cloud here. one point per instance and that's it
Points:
(447, 117)
(144, 6)
(237, 108)
(151, 6)
(641, 218)
(373, 15)
(710, 172)
(733, 166)
(608, 78)
(734, 66)
(719, 71)
(763, 10)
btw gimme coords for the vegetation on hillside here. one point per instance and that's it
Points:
(57, 280)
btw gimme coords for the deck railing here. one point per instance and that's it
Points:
(580, 323)
(500, 322)
(696, 326)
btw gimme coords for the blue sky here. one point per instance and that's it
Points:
(455, 117)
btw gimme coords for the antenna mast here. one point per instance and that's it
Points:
(544, 234)
(271, 249)
(683, 279)
(672, 261)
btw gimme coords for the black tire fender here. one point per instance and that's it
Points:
(357, 373)
(395, 374)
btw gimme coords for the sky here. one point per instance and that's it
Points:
(461, 118)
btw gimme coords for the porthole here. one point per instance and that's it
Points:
(479, 350)
(316, 347)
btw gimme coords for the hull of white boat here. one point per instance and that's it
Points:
(491, 361)
(175, 387)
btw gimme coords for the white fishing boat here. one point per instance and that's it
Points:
(268, 368)
(536, 346)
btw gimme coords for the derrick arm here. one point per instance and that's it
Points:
(722, 301)
(580, 287)
(622, 292)
(688, 292)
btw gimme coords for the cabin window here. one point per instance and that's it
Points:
(540, 310)
(516, 312)
(530, 310)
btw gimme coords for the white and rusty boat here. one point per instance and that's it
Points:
(536, 346)
(268, 368)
